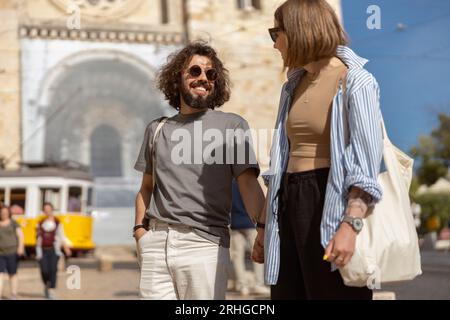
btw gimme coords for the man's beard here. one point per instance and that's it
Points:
(198, 102)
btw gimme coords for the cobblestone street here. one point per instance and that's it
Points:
(95, 285)
(433, 284)
(119, 279)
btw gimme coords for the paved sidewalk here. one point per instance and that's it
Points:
(119, 284)
(119, 280)
(121, 276)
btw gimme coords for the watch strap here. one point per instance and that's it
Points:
(138, 226)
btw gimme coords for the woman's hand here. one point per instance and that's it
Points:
(258, 247)
(341, 247)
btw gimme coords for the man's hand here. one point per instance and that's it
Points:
(258, 247)
(340, 249)
(141, 204)
(139, 233)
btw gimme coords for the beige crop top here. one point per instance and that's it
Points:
(308, 122)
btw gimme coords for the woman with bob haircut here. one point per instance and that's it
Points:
(325, 157)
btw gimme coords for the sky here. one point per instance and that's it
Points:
(411, 64)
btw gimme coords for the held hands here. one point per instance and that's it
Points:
(258, 247)
(339, 250)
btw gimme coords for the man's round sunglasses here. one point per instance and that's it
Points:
(274, 33)
(195, 71)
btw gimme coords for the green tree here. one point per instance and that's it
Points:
(413, 188)
(433, 152)
(434, 205)
(441, 136)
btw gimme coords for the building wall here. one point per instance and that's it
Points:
(131, 14)
(10, 136)
(32, 30)
(243, 42)
(25, 21)
(240, 36)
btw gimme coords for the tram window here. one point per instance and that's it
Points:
(89, 197)
(17, 201)
(74, 204)
(2, 197)
(51, 195)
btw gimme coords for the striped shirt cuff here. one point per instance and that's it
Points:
(365, 183)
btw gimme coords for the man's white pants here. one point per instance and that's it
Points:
(176, 263)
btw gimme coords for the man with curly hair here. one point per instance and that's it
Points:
(184, 251)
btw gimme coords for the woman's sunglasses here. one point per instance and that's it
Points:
(195, 71)
(274, 33)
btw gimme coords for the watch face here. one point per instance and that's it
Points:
(358, 224)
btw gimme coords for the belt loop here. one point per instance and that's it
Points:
(153, 224)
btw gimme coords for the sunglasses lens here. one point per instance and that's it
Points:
(274, 34)
(195, 71)
(211, 74)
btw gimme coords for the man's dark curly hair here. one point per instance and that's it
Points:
(169, 79)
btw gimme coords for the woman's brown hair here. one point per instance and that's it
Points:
(313, 31)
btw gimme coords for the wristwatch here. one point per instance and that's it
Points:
(138, 226)
(356, 223)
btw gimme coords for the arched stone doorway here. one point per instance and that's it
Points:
(97, 113)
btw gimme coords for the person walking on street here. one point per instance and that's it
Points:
(11, 248)
(50, 240)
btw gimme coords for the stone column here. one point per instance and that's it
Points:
(127, 151)
(9, 85)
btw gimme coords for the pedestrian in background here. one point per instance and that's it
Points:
(11, 248)
(50, 240)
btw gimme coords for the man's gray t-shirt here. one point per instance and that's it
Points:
(195, 168)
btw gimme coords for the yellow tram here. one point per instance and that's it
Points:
(69, 189)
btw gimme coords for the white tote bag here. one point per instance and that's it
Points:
(387, 248)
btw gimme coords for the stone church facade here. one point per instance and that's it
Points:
(86, 92)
